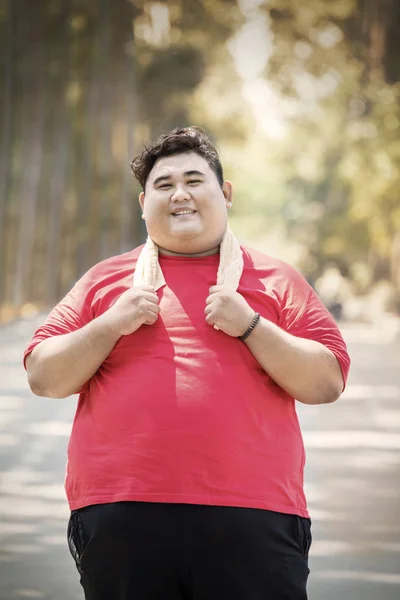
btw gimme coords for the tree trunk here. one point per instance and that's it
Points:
(58, 179)
(32, 154)
(84, 162)
(6, 139)
(105, 124)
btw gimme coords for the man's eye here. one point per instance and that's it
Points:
(165, 186)
(195, 181)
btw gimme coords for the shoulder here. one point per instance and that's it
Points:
(112, 268)
(269, 266)
(276, 277)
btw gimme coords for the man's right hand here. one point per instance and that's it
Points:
(136, 307)
(60, 365)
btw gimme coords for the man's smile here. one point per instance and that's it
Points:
(183, 212)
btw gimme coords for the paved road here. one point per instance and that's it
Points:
(352, 479)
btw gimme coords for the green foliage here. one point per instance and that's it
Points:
(332, 59)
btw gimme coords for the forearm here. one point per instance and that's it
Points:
(305, 369)
(61, 365)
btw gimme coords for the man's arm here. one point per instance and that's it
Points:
(305, 369)
(59, 366)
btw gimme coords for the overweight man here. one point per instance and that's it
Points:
(185, 462)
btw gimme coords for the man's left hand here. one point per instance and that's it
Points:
(228, 311)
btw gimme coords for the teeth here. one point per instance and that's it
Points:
(184, 212)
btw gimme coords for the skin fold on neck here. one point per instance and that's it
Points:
(164, 252)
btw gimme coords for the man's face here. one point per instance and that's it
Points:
(183, 205)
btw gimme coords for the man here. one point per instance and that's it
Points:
(185, 463)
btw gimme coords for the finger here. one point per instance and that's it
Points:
(208, 309)
(153, 308)
(215, 288)
(211, 298)
(151, 297)
(210, 319)
(150, 321)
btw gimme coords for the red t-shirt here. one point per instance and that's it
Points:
(180, 412)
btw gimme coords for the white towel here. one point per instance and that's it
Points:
(148, 270)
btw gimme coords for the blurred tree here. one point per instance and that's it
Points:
(7, 40)
(85, 83)
(339, 65)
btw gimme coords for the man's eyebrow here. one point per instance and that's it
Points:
(186, 174)
(193, 172)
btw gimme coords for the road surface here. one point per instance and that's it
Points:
(352, 478)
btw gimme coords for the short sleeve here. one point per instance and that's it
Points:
(304, 315)
(71, 313)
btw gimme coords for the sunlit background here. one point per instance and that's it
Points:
(302, 99)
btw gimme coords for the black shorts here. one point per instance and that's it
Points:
(156, 551)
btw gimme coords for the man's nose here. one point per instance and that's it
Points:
(180, 194)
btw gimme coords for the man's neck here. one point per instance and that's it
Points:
(164, 252)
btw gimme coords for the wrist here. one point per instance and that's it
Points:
(108, 327)
(253, 324)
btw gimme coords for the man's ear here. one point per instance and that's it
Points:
(227, 190)
(141, 202)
